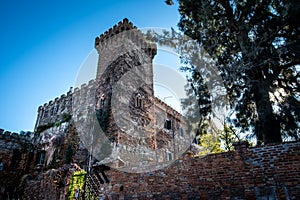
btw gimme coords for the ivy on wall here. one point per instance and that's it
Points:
(77, 183)
(65, 118)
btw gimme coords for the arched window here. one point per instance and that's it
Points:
(138, 101)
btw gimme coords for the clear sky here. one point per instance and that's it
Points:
(43, 44)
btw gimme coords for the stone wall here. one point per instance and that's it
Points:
(16, 157)
(69, 103)
(14, 150)
(50, 185)
(269, 172)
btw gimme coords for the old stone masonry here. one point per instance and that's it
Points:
(113, 139)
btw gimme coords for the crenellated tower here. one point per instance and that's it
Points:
(125, 82)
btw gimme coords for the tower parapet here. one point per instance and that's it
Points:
(124, 25)
(125, 30)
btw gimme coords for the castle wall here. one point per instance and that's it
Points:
(14, 149)
(69, 103)
(16, 159)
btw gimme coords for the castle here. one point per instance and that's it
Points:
(134, 121)
(114, 120)
(89, 143)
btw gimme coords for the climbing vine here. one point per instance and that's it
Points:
(77, 182)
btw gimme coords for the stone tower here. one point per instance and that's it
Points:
(124, 91)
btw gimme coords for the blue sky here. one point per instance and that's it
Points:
(43, 44)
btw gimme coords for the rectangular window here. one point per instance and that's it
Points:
(168, 124)
(180, 132)
(169, 156)
(42, 157)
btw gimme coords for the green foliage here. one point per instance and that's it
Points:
(222, 141)
(209, 144)
(43, 127)
(228, 136)
(65, 118)
(77, 181)
(257, 49)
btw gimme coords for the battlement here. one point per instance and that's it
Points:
(130, 32)
(16, 137)
(124, 25)
(53, 111)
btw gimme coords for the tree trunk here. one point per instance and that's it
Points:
(267, 127)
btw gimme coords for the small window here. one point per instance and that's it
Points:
(102, 101)
(42, 157)
(180, 132)
(168, 124)
(138, 101)
(169, 156)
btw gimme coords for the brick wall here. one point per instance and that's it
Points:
(269, 172)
